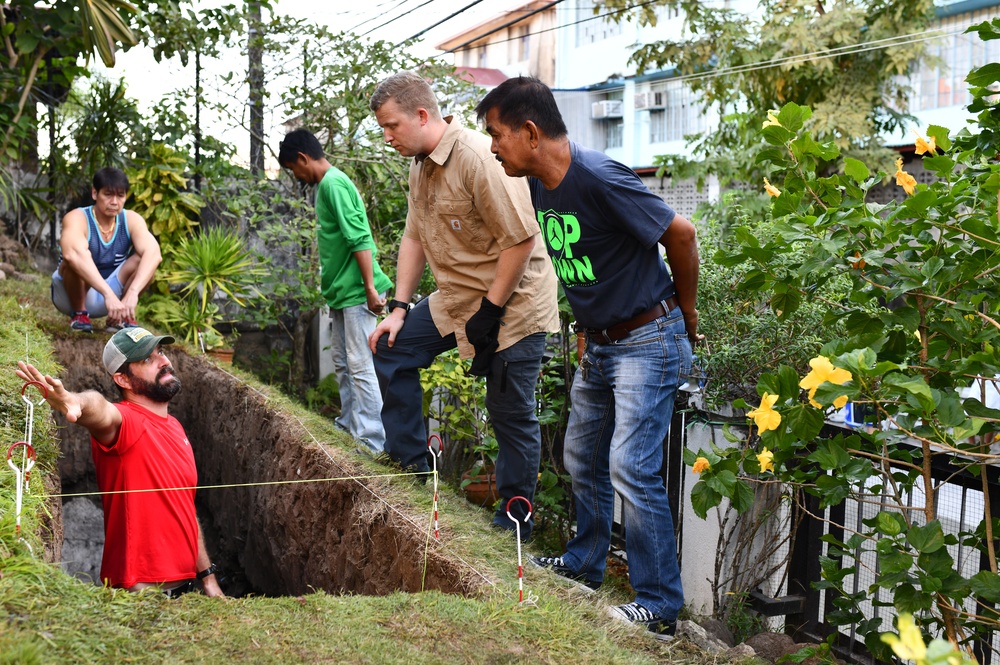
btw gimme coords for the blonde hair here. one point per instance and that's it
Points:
(411, 92)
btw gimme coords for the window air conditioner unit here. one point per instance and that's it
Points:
(649, 101)
(606, 108)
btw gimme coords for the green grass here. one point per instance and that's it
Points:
(49, 617)
(52, 618)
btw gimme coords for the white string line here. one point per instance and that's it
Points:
(391, 507)
(262, 483)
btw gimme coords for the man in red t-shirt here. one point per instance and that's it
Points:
(151, 539)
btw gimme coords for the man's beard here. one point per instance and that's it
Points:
(155, 390)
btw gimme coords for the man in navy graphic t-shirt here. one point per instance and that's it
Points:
(603, 228)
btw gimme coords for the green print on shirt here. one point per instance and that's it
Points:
(561, 232)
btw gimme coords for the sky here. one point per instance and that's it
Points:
(148, 81)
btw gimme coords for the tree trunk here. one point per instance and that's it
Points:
(301, 373)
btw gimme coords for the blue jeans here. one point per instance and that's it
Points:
(510, 401)
(614, 442)
(360, 398)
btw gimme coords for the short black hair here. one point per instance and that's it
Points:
(125, 369)
(296, 141)
(524, 98)
(110, 178)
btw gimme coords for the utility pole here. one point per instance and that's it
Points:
(305, 81)
(197, 117)
(51, 102)
(255, 47)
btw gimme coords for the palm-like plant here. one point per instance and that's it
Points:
(103, 26)
(213, 261)
(29, 31)
(185, 318)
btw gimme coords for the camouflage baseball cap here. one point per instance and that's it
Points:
(130, 345)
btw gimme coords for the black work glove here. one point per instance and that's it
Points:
(482, 330)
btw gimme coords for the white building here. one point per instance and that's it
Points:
(634, 118)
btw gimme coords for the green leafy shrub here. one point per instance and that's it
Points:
(456, 401)
(920, 327)
(158, 193)
(745, 335)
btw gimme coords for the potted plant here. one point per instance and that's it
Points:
(216, 345)
(480, 483)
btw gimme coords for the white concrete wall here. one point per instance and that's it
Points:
(700, 539)
(322, 332)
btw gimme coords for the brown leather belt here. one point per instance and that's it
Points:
(620, 331)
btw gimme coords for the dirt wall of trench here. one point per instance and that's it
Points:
(340, 536)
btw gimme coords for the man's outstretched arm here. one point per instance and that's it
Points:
(88, 409)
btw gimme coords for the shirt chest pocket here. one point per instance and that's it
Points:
(458, 220)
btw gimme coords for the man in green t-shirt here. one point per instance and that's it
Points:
(352, 283)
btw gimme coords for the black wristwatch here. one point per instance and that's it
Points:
(393, 304)
(211, 570)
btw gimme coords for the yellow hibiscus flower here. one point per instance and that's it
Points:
(700, 464)
(909, 644)
(823, 371)
(764, 416)
(904, 179)
(766, 460)
(771, 189)
(923, 145)
(771, 119)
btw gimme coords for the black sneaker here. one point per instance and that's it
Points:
(634, 613)
(556, 565)
(418, 476)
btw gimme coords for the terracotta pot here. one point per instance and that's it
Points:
(222, 355)
(481, 489)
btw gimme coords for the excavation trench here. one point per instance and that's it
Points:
(340, 536)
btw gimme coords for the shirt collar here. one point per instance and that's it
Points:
(441, 153)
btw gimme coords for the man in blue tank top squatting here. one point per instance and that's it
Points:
(108, 257)
(602, 227)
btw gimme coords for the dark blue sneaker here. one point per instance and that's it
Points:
(80, 322)
(634, 613)
(115, 327)
(557, 566)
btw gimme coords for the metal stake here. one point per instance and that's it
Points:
(517, 527)
(434, 463)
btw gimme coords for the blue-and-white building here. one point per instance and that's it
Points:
(633, 118)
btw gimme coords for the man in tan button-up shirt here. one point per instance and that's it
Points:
(496, 296)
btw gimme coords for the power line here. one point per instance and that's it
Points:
(376, 16)
(900, 40)
(544, 30)
(507, 12)
(447, 18)
(508, 24)
(409, 11)
(849, 49)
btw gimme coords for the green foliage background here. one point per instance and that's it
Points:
(920, 327)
